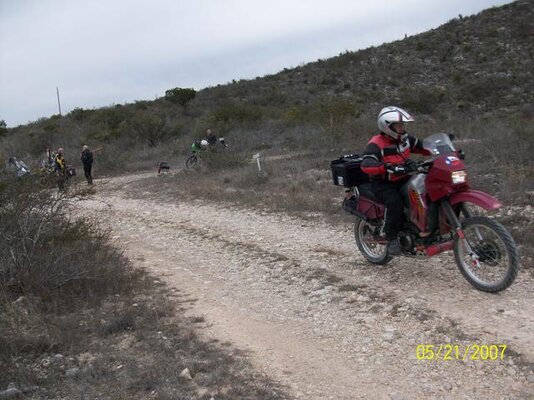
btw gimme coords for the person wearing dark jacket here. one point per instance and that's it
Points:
(211, 137)
(386, 161)
(87, 161)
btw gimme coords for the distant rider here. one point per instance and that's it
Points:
(211, 137)
(213, 141)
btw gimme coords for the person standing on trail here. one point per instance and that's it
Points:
(87, 161)
(61, 168)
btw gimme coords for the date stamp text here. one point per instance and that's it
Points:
(449, 352)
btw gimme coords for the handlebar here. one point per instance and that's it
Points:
(424, 166)
(410, 167)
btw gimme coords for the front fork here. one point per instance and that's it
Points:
(457, 226)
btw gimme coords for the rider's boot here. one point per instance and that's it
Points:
(394, 248)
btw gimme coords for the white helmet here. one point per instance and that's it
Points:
(203, 143)
(390, 115)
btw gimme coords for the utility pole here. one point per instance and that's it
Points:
(58, 102)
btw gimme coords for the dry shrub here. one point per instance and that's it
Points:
(50, 265)
(499, 157)
(44, 252)
(68, 299)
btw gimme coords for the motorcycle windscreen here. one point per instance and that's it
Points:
(439, 144)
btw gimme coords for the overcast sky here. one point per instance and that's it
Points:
(103, 52)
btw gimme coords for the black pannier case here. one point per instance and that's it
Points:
(346, 171)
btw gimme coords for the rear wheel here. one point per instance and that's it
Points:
(372, 246)
(494, 262)
(191, 161)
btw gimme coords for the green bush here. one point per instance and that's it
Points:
(3, 127)
(457, 77)
(78, 114)
(180, 96)
(112, 117)
(480, 89)
(295, 115)
(331, 112)
(420, 46)
(235, 112)
(422, 100)
(148, 127)
(103, 134)
(51, 125)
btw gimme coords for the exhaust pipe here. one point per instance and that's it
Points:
(437, 248)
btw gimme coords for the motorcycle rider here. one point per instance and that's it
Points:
(211, 137)
(212, 140)
(386, 161)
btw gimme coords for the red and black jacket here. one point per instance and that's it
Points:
(382, 150)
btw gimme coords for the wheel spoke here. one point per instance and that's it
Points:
(490, 261)
(368, 239)
(479, 235)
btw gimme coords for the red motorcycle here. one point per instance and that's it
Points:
(437, 217)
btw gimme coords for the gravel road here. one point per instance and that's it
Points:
(313, 315)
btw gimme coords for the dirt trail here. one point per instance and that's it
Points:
(314, 315)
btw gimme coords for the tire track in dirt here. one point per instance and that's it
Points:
(314, 315)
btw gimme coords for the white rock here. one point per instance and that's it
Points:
(11, 393)
(58, 358)
(186, 374)
(389, 336)
(72, 372)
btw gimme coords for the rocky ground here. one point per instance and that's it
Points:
(313, 315)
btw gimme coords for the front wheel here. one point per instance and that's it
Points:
(191, 161)
(369, 242)
(493, 262)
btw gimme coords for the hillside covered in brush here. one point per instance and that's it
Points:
(472, 75)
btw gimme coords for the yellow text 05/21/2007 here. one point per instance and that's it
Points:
(464, 352)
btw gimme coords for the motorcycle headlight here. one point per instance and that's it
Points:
(459, 177)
